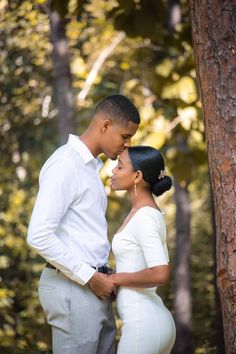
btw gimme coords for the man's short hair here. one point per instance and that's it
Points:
(118, 107)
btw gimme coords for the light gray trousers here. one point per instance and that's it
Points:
(81, 322)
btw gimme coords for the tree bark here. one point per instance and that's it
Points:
(62, 76)
(182, 283)
(214, 41)
(219, 332)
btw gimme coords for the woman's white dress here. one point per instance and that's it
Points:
(147, 325)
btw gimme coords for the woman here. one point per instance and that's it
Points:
(141, 254)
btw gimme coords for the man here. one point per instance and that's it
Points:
(68, 228)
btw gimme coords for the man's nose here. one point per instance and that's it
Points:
(127, 143)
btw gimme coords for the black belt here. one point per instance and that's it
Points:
(103, 269)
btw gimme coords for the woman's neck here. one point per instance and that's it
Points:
(142, 198)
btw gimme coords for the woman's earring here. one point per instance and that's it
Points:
(135, 190)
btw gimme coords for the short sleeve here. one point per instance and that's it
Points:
(150, 235)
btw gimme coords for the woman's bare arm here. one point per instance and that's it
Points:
(146, 278)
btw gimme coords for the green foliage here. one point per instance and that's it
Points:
(25, 81)
(141, 18)
(65, 8)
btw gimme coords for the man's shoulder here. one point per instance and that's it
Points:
(64, 156)
(65, 152)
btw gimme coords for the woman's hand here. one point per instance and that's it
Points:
(102, 285)
(113, 278)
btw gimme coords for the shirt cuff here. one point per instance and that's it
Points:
(152, 264)
(84, 274)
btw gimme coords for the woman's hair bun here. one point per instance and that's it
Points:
(161, 186)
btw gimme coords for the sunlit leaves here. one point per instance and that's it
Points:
(165, 67)
(184, 89)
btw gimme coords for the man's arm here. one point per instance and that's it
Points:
(58, 189)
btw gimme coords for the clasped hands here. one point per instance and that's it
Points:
(102, 285)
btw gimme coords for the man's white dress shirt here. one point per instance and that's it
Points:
(68, 225)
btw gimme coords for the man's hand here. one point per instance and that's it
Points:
(101, 285)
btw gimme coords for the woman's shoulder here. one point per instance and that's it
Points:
(148, 221)
(149, 211)
(147, 217)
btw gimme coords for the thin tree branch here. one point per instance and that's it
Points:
(97, 65)
(177, 120)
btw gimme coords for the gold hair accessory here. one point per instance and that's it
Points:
(162, 174)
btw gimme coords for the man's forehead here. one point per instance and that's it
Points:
(129, 128)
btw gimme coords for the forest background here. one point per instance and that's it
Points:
(142, 49)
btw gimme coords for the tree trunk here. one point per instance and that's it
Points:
(219, 334)
(214, 38)
(182, 283)
(62, 76)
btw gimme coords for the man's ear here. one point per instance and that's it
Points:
(138, 176)
(105, 124)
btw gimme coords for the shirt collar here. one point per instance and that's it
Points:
(83, 150)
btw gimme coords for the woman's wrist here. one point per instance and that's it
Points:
(114, 278)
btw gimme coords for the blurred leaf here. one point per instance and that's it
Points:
(184, 89)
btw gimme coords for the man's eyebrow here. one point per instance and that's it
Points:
(127, 134)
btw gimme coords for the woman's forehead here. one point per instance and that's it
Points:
(124, 157)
